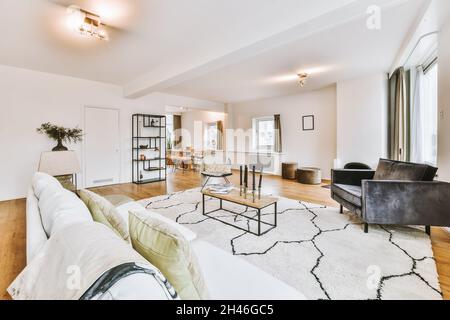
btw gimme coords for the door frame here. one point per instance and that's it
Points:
(119, 128)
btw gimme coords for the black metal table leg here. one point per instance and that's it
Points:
(259, 222)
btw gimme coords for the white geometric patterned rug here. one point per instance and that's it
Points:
(321, 253)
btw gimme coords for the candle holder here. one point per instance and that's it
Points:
(259, 193)
(245, 192)
(254, 193)
(240, 190)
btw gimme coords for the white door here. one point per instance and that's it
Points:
(101, 147)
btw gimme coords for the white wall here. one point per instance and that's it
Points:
(308, 148)
(444, 103)
(188, 122)
(362, 120)
(29, 98)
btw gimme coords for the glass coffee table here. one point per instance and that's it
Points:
(234, 197)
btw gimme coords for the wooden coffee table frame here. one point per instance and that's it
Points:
(245, 203)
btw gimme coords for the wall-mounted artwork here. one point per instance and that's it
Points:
(308, 123)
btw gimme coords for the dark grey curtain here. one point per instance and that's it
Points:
(219, 135)
(177, 131)
(399, 133)
(278, 144)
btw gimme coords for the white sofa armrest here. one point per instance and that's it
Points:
(36, 236)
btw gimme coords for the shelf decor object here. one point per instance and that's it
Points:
(148, 148)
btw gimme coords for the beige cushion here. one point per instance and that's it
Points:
(124, 210)
(104, 212)
(166, 248)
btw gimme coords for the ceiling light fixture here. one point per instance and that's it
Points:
(302, 77)
(86, 23)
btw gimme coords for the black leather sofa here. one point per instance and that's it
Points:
(397, 193)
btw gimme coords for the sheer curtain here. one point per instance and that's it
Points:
(424, 117)
(417, 133)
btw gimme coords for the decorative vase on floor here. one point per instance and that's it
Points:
(60, 146)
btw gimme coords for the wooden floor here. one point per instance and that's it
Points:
(12, 220)
(12, 242)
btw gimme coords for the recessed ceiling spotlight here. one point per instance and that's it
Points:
(86, 23)
(302, 77)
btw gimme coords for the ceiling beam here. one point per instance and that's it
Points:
(169, 76)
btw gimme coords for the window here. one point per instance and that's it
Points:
(424, 115)
(211, 136)
(430, 128)
(263, 134)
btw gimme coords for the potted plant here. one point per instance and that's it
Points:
(61, 134)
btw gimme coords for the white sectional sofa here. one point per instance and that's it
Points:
(227, 277)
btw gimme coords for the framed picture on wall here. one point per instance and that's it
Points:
(308, 123)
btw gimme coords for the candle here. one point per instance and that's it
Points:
(260, 180)
(246, 176)
(240, 176)
(254, 178)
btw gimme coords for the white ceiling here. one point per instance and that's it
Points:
(344, 52)
(221, 50)
(159, 33)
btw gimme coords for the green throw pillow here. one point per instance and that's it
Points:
(166, 248)
(104, 212)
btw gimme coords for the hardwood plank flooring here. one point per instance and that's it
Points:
(187, 180)
(12, 242)
(12, 219)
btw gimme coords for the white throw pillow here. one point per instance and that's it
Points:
(60, 207)
(42, 181)
(101, 258)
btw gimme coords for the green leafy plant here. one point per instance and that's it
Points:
(61, 134)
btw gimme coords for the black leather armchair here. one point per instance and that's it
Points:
(397, 193)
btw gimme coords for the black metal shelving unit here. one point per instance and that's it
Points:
(149, 131)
